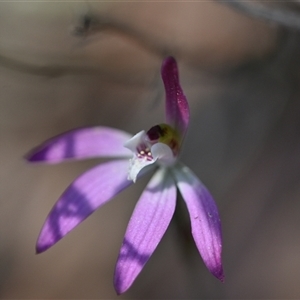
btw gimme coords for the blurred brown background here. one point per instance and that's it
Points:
(66, 65)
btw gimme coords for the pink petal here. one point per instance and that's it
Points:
(82, 143)
(87, 193)
(147, 225)
(205, 220)
(177, 107)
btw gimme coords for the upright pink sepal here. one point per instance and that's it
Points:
(177, 108)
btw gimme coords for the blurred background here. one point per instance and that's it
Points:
(66, 65)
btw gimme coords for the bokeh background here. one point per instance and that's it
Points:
(72, 64)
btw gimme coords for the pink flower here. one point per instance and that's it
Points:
(158, 148)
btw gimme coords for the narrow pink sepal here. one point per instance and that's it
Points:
(205, 220)
(87, 193)
(148, 223)
(80, 144)
(177, 107)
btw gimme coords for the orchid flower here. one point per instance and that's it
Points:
(158, 148)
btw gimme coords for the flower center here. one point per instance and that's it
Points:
(144, 152)
(160, 144)
(164, 133)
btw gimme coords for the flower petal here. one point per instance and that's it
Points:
(177, 108)
(135, 141)
(136, 165)
(82, 143)
(87, 193)
(139, 161)
(163, 154)
(205, 220)
(147, 225)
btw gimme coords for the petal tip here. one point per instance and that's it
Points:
(37, 155)
(119, 292)
(167, 61)
(119, 285)
(41, 248)
(169, 68)
(219, 274)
